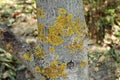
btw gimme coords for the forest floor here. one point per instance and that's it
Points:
(22, 21)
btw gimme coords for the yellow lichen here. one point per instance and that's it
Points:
(54, 40)
(68, 32)
(40, 28)
(85, 32)
(55, 70)
(65, 76)
(83, 63)
(40, 13)
(61, 20)
(55, 30)
(51, 49)
(39, 53)
(37, 69)
(9, 48)
(64, 26)
(69, 16)
(27, 56)
(76, 45)
(62, 11)
(41, 36)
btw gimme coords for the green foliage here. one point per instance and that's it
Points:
(115, 55)
(118, 33)
(14, 11)
(101, 17)
(9, 66)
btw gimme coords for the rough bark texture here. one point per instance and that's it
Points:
(74, 7)
(66, 60)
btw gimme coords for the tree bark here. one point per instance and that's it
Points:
(48, 16)
(61, 50)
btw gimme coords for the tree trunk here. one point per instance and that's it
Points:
(64, 20)
(61, 50)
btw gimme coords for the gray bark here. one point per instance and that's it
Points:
(74, 7)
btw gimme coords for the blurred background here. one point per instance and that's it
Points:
(103, 21)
